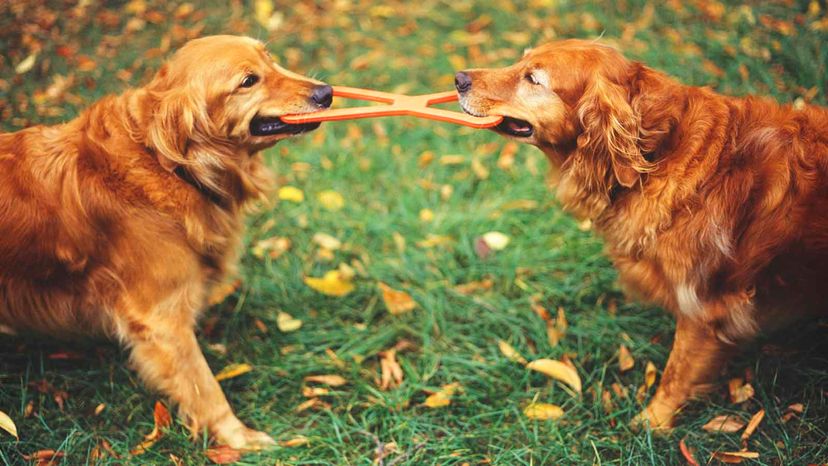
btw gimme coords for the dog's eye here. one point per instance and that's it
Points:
(532, 79)
(250, 80)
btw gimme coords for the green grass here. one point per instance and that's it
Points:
(415, 48)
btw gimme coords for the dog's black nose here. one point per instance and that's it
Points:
(322, 95)
(462, 81)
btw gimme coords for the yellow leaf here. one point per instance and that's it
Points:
(735, 457)
(752, 425)
(496, 240)
(233, 370)
(511, 353)
(558, 371)
(333, 283)
(435, 240)
(273, 247)
(331, 200)
(162, 419)
(650, 373)
(292, 194)
(397, 302)
(26, 65)
(7, 424)
(725, 423)
(287, 323)
(327, 241)
(330, 380)
(426, 215)
(625, 359)
(297, 441)
(443, 397)
(740, 391)
(543, 411)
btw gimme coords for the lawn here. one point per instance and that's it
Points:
(417, 196)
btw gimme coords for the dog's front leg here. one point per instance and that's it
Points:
(168, 358)
(695, 361)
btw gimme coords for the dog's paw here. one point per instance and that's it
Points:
(658, 421)
(242, 438)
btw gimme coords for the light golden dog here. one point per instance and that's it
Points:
(119, 222)
(713, 207)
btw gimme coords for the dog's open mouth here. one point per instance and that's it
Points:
(515, 127)
(269, 126)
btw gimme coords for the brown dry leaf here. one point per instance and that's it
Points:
(511, 353)
(543, 411)
(222, 454)
(558, 371)
(687, 453)
(272, 247)
(297, 441)
(443, 397)
(475, 286)
(650, 373)
(397, 302)
(162, 420)
(553, 335)
(752, 425)
(233, 370)
(7, 424)
(625, 359)
(739, 391)
(333, 283)
(539, 310)
(44, 457)
(792, 411)
(392, 373)
(734, 457)
(726, 423)
(287, 323)
(313, 392)
(332, 380)
(305, 405)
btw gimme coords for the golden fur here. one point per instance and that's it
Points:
(714, 207)
(119, 222)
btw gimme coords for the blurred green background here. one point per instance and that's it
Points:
(403, 182)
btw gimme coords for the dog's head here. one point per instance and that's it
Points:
(226, 92)
(574, 100)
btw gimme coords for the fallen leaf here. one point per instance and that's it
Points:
(511, 353)
(392, 373)
(397, 302)
(726, 423)
(162, 419)
(625, 359)
(434, 241)
(273, 247)
(650, 373)
(734, 457)
(222, 291)
(26, 65)
(287, 323)
(739, 391)
(481, 248)
(558, 371)
(443, 397)
(426, 215)
(331, 200)
(474, 287)
(543, 411)
(332, 284)
(44, 457)
(752, 425)
(496, 240)
(330, 380)
(222, 454)
(687, 453)
(327, 241)
(291, 194)
(233, 370)
(297, 441)
(7, 424)
(99, 409)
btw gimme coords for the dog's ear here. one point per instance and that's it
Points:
(612, 130)
(171, 127)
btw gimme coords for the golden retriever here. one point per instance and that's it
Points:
(119, 222)
(714, 207)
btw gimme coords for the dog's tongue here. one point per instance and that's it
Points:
(518, 126)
